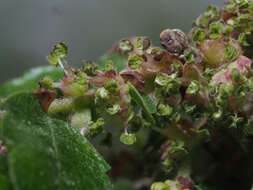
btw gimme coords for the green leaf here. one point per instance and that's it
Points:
(47, 153)
(144, 103)
(119, 61)
(30, 80)
(4, 183)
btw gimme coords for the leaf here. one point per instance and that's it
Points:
(4, 183)
(118, 60)
(150, 104)
(46, 153)
(30, 80)
(144, 103)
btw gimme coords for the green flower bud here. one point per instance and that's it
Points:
(248, 128)
(243, 39)
(95, 128)
(226, 90)
(160, 186)
(167, 165)
(188, 56)
(231, 53)
(109, 67)
(128, 139)
(114, 109)
(47, 83)
(125, 46)
(164, 110)
(212, 12)
(176, 67)
(235, 121)
(213, 88)
(217, 115)
(230, 7)
(249, 84)
(59, 52)
(189, 108)
(135, 62)
(61, 105)
(216, 30)
(170, 84)
(157, 53)
(193, 88)
(243, 4)
(112, 86)
(81, 78)
(236, 75)
(177, 147)
(101, 94)
(76, 89)
(143, 43)
(199, 35)
(89, 68)
(176, 117)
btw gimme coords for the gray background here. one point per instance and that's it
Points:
(29, 28)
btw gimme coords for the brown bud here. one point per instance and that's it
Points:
(174, 41)
(46, 97)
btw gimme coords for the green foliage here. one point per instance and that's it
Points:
(46, 153)
(30, 80)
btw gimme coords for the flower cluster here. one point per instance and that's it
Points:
(186, 90)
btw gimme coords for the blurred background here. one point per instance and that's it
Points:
(29, 28)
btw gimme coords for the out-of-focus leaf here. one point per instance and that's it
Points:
(30, 80)
(46, 153)
(118, 60)
(4, 183)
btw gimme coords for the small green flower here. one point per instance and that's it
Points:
(89, 68)
(248, 128)
(127, 138)
(243, 39)
(176, 117)
(112, 86)
(189, 108)
(199, 35)
(96, 128)
(157, 53)
(160, 186)
(188, 56)
(170, 84)
(101, 94)
(243, 4)
(193, 88)
(47, 83)
(177, 147)
(125, 46)
(231, 53)
(226, 90)
(59, 52)
(236, 75)
(109, 67)
(114, 109)
(216, 30)
(164, 110)
(168, 165)
(81, 77)
(235, 121)
(143, 43)
(135, 62)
